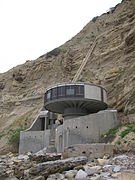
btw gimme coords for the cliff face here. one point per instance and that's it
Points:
(112, 65)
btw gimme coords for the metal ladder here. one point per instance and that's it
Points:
(79, 71)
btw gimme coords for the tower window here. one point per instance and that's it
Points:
(48, 95)
(54, 92)
(61, 91)
(70, 90)
(79, 90)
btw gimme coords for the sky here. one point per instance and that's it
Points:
(31, 28)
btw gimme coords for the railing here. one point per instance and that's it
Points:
(64, 92)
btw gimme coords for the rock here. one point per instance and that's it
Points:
(115, 175)
(106, 156)
(41, 152)
(101, 162)
(105, 175)
(96, 178)
(10, 172)
(3, 172)
(11, 178)
(117, 169)
(39, 178)
(79, 167)
(91, 170)
(121, 157)
(29, 153)
(19, 172)
(16, 161)
(23, 157)
(10, 154)
(70, 174)
(126, 176)
(56, 176)
(26, 174)
(39, 157)
(9, 163)
(58, 166)
(108, 168)
(81, 174)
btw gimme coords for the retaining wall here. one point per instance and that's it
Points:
(85, 129)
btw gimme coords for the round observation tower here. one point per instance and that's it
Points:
(75, 99)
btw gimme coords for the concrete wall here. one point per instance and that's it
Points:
(33, 141)
(91, 151)
(38, 136)
(84, 129)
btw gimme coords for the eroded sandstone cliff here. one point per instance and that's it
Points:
(111, 65)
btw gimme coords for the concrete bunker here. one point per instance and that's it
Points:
(85, 118)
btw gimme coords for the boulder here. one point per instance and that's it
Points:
(45, 157)
(101, 162)
(70, 174)
(117, 169)
(52, 167)
(81, 174)
(56, 176)
(91, 170)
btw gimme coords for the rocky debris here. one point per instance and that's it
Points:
(45, 157)
(23, 157)
(120, 167)
(48, 168)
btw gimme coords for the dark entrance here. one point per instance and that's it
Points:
(42, 124)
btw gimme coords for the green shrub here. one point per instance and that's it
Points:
(110, 135)
(113, 131)
(130, 128)
(14, 136)
(124, 133)
(118, 142)
(121, 70)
